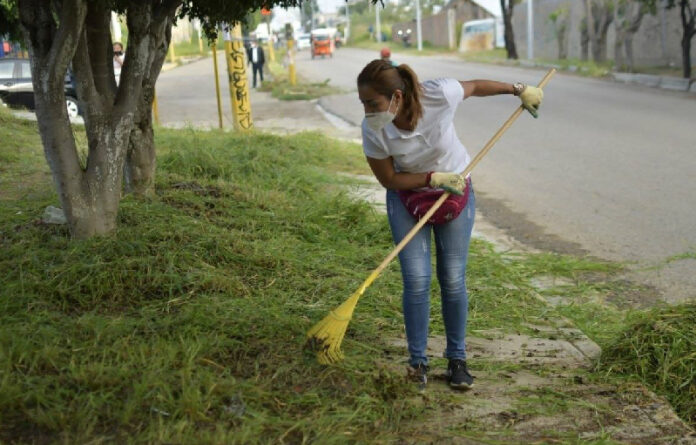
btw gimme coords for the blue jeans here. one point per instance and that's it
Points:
(452, 246)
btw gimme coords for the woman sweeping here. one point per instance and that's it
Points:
(412, 148)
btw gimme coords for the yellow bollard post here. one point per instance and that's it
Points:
(172, 54)
(271, 53)
(217, 83)
(155, 108)
(200, 43)
(291, 62)
(239, 87)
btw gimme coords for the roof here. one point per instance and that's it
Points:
(492, 6)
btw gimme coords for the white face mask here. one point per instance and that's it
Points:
(377, 121)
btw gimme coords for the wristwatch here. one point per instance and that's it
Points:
(517, 88)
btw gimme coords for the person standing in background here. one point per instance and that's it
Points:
(118, 60)
(385, 54)
(256, 59)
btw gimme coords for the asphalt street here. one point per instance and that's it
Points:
(608, 169)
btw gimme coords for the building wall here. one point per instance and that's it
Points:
(649, 46)
(435, 29)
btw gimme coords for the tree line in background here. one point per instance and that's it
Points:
(626, 15)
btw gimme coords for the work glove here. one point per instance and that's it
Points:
(451, 182)
(531, 99)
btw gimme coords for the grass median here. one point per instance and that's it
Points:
(280, 87)
(187, 324)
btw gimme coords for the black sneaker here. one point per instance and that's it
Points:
(458, 376)
(419, 373)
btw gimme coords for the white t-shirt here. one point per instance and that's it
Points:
(433, 145)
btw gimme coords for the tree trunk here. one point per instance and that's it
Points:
(510, 46)
(686, 55)
(628, 46)
(562, 35)
(589, 30)
(689, 30)
(619, 42)
(602, 16)
(57, 33)
(584, 41)
(139, 172)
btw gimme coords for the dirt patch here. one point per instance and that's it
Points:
(539, 390)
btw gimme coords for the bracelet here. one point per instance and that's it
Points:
(427, 178)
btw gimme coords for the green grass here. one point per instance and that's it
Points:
(191, 47)
(187, 324)
(658, 347)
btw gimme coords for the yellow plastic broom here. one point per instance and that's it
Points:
(326, 336)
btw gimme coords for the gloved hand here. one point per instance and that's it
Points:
(531, 99)
(452, 182)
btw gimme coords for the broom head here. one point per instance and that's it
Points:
(326, 336)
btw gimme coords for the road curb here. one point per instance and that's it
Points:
(653, 81)
(182, 61)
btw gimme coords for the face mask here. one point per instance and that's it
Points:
(377, 121)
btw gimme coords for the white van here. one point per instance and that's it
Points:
(483, 34)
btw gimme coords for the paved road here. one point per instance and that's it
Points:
(609, 169)
(186, 97)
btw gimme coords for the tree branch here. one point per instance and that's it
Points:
(167, 9)
(38, 25)
(72, 18)
(100, 47)
(84, 79)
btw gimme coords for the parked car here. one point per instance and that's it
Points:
(16, 89)
(303, 42)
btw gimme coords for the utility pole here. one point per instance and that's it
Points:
(530, 29)
(378, 26)
(419, 36)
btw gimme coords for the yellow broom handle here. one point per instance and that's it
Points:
(399, 247)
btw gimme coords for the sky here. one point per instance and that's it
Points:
(330, 5)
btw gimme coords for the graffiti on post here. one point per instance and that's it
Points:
(239, 89)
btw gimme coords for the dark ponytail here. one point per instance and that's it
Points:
(385, 79)
(412, 94)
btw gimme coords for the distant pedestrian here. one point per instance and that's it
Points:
(118, 60)
(256, 59)
(385, 54)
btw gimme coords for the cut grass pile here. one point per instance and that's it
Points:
(659, 348)
(187, 324)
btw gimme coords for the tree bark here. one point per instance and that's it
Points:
(57, 33)
(636, 12)
(589, 29)
(141, 159)
(584, 41)
(619, 42)
(511, 48)
(688, 18)
(563, 43)
(602, 16)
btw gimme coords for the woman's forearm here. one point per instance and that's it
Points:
(481, 88)
(405, 181)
